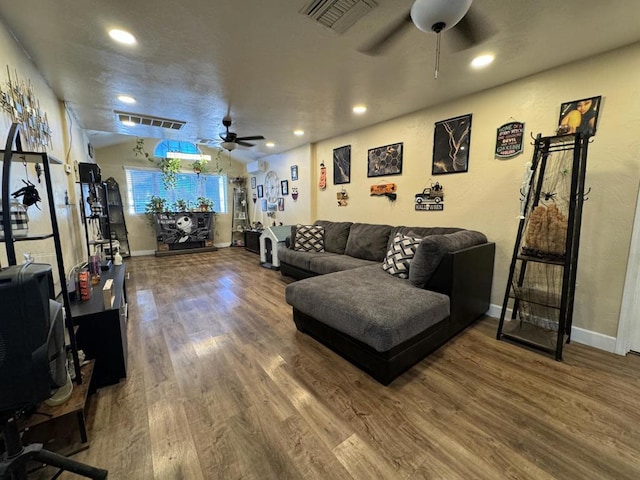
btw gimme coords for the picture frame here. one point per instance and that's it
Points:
(451, 140)
(281, 204)
(260, 191)
(385, 160)
(284, 187)
(263, 204)
(253, 182)
(294, 173)
(342, 165)
(579, 116)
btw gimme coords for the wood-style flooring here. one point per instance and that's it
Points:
(222, 386)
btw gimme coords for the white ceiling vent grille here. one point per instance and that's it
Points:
(338, 15)
(149, 121)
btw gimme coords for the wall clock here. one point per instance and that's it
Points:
(271, 187)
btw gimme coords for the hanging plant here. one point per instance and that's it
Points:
(169, 167)
(218, 167)
(200, 166)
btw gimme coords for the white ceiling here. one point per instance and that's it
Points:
(275, 70)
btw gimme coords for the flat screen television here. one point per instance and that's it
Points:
(32, 347)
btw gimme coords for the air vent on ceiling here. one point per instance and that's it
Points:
(149, 121)
(338, 15)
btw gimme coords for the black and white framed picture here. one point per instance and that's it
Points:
(386, 160)
(294, 173)
(451, 139)
(579, 116)
(284, 187)
(253, 182)
(260, 191)
(281, 204)
(342, 165)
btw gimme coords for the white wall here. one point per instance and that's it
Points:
(486, 198)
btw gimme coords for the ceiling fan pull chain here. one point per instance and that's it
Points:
(435, 73)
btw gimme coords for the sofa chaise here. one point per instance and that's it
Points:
(384, 297)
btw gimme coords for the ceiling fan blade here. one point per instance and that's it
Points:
(244, 144)
(254, 137)
(386, 37)
(472, 30)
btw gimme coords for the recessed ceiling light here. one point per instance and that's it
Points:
(129, 123)
(298, 133)
(482, 61)
(359, 109)
(122, 36)
(270, 144)
(126, 99)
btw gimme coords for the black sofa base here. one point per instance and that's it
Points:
(382, 366)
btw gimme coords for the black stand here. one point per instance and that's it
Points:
(13, 464)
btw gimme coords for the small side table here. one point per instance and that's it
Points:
(252, 241)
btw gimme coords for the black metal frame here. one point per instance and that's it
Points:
(544, 146)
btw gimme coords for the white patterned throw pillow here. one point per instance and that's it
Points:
(400, 254)
(309, 238)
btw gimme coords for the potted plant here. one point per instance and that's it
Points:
(181, 205)
(205, 204)
(200, 166)
(154, 206)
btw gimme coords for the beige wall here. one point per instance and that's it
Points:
(69, 144)
(114, 159)
(487, 197)
(298, 211)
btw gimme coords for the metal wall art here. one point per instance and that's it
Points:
(385, 160)
(451, 140)
(19, 101)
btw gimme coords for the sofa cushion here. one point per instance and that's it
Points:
(400, 254)
(299, 259)
(333, 262)
(432, 250)
(368, 241)
(335, 235)
(369, 305)
(309, 238)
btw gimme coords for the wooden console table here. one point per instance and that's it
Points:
(102, 332)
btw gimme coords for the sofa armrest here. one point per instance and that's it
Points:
(466, 276)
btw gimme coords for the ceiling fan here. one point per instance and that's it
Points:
(436, 16)
(230, 139)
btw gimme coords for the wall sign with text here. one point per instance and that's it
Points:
(509, 140)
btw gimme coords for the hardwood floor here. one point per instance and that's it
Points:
(221, 386)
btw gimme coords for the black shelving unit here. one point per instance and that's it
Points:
(542, 274)
(13, 153)
(94, 207)
(117, 224)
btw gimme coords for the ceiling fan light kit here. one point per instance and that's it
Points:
(230, 140)
(229, 146)
(438, 15)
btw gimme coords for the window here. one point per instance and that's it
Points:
(174, 146)
(143, 183)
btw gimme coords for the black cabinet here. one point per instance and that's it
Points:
(252, 241)
(102, 332)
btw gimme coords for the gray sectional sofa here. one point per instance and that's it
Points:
(379, 321)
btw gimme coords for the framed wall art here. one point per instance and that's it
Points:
(294, 173)
(284, 187)
(579, 116)
(260, 191)
(342, 165)
(386, 160)
(451, 139)
(281, 204)
(253, 182)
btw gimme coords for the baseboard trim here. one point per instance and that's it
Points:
(579, 335)
(142, 253)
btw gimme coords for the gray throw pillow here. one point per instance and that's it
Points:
(433, 249)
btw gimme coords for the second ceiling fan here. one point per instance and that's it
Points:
(230, 139)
